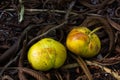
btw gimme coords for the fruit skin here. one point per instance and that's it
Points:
(81, 43)
(46, 54)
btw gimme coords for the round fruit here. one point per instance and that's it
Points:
(83, 42)
(46, 54)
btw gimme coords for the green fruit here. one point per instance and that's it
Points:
(83, 42)
(46, 54)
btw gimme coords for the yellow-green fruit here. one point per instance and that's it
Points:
(46, 54)
(81, 42)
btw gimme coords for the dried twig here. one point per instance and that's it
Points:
(44, 10)
(59, 77)
(83, 65)
(7, 77)
(108, 70)
(20, 73)
(33, 73)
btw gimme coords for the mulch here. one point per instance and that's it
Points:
(24, 22)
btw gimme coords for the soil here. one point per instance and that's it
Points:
(24, 22)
